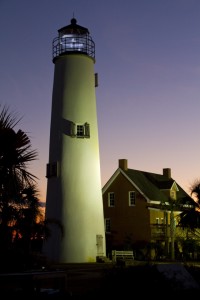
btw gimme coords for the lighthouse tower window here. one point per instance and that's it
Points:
(80, 131)
(51, 170)
(83, 131)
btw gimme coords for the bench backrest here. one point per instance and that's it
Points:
(116, 254)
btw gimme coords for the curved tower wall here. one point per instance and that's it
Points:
(74, 203)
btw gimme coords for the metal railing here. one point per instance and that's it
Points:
(77, 44)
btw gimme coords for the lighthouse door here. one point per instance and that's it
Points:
(99, 238)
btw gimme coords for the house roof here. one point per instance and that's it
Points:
(147, 183)
(151, 185)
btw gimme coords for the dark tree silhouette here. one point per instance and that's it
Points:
(19, 205)
(190, 218)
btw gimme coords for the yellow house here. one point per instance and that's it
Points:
(140, 212)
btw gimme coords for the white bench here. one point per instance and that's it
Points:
(122, 257)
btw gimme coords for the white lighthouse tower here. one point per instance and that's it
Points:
(74, 206)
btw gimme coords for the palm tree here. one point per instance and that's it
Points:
(190, 218)
(15, 155)
(15, 152)
(29, 215)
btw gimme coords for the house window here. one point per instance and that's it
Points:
(131, 198)
(173, 194)
(107, 225)
(111, 199)
(51, 170)
(157, 221)
(82, 130)
(162, 221)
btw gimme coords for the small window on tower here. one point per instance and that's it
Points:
(51, 170)
(83, 131)
(80, 131)
(96, 79)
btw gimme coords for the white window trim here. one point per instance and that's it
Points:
(129, 198)
(85, 130)
(109, 199)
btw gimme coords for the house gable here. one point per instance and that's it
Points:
(124, 218)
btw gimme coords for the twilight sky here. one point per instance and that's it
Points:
(148, 63)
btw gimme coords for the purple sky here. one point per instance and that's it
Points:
(148, 62)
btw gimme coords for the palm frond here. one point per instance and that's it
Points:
(8, 119)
